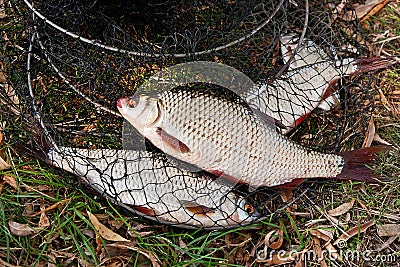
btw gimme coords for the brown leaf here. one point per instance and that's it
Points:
(20, 229)
(332, 251)
(363, 9)
(318, 250)
(103, 231)
(378, 139)
(354, 231)
(52, 207)
(370, 134)
(44, 220)
(2, 10)
(4, 165)
(154, 261)
(342, 209)
(386, 244)
(388, 230)
(10, 180)
(278, 237)
(322, 234)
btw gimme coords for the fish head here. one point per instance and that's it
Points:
(141, 111)
(246, 212)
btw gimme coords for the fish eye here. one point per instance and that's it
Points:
(131, 103)
(248, 208)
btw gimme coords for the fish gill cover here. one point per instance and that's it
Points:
(80, 57)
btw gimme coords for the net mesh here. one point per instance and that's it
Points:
(79, 57)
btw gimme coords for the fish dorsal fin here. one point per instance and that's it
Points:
(172, 142)
(197, 209)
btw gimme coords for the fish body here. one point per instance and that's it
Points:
(307, 84)
(149, 185)
(225, 138)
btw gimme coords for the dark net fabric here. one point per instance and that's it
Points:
(79, 57)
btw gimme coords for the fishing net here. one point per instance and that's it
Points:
(79, 57)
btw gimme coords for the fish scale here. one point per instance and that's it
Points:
(149, 185)
(250, 151)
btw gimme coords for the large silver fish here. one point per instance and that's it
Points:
(225, 138)
(149, 185)
(307, 84)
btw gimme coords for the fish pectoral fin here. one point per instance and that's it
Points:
(196, 208)
(145, 210)
(172, 142)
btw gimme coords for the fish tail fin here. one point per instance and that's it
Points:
(366, 64)
(354, 164)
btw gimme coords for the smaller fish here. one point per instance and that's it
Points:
(147, 184)
(307, 84)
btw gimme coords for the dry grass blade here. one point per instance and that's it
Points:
(52, 207)
(342, 209)
(105, 232)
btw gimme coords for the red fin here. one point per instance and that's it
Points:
(366, 64)
(145, 210)
(172, 142)
(268, 119)
(228, 178)
(197, 209)
(329, 90)
(354, 168)
(301, 119)
(290, 185)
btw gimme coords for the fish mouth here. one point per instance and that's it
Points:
(119, 102)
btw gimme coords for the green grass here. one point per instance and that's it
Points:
(70, 238)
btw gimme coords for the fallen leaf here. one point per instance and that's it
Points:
(20, 229)
(342, 209)
(4, 165)
(153, 259)
(300, 262)
(388, 230)
(103, 231)
(386, 244)
(375, 10)
(274, 235)
(378, 139)
(88, 232)
(354, 231)
(322, 234)
(2, 10)
(319, 252)
(44, 220)
(332, 251)
(10, 180)
(52, 207)
(362, 10)
(370, 134)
